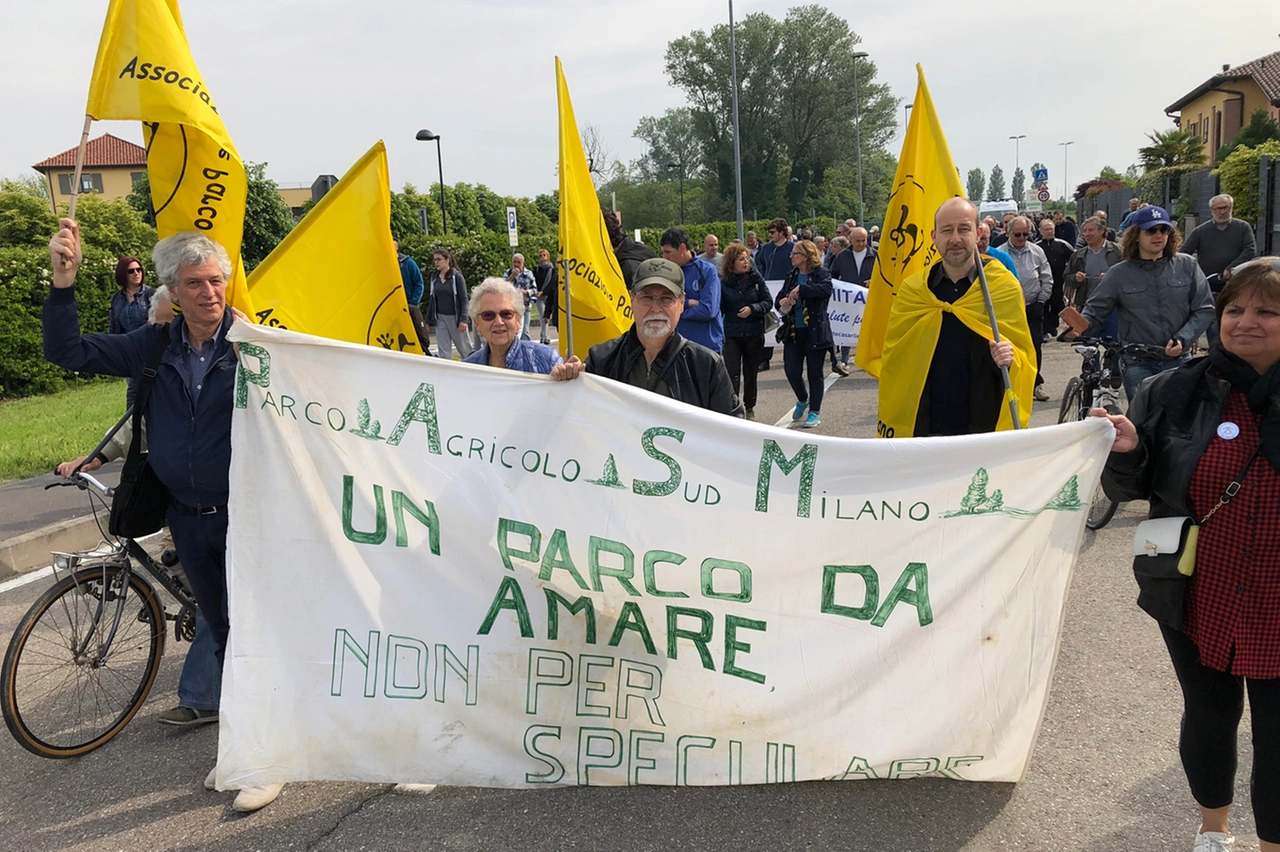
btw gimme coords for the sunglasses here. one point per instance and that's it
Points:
(489, 316)
(666, 300)
(1020, 233)
(137, 269)
(1162, 230)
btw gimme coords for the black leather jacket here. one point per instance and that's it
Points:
(815, 295)
(694, 373)
(1176, 415)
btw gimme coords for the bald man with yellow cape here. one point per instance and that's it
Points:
(930, 361)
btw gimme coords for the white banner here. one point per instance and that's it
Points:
(845, 310)
(447, 573)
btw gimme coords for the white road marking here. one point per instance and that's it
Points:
(19, 582)
(785, 420)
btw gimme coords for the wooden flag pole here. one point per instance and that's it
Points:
(75, 181)
(995, 335)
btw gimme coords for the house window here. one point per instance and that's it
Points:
(89, 182)
(134, 177)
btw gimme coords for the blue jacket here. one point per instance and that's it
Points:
(845, 268)
(119, 302)
(773, 261)
(411, 275)
(702, 323)
(1004, 257)
(524, 355)
(188, 447)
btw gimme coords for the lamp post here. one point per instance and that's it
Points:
(737, 150)
(428, 136)
(1064, 169)
(857, 129)
(679, 166)
(1016, 140)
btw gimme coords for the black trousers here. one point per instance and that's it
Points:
(1055, 306)
(795, 354)
(201, 541)
(742, 357)
(1213, 703)
(1035, 322)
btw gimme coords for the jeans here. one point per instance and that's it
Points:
(447, 332)
(524, 329)
(795, 355)
(1136, 371)
(742, 355)
(201, 541)
(840, 353)
(1213, 704)
(200, 686)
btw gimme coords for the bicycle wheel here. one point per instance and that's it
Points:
(1101, 510)
(1070, 410)
(57, 705)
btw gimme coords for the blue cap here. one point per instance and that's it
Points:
(1148, 217)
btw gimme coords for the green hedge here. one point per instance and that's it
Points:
(1239, 176)
(25, 274)
(478, 255)
(727, 231)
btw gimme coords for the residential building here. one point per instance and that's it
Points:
(1219, 107)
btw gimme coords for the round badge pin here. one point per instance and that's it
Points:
(1228, 431)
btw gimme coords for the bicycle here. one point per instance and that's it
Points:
(1098, 386)
(84, 657)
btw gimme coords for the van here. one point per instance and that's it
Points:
(997, 209)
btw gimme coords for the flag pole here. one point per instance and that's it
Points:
(568, 313)
(995, 335)
(75, 181)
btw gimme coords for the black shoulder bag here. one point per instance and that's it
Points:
(141, 499)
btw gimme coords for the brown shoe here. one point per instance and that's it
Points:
(186, 717)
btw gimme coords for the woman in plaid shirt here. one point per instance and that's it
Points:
(1190, 434)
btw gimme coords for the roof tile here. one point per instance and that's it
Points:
(106, 150)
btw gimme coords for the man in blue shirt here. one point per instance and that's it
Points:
(984, 247)
(410, 276)
(701, 321)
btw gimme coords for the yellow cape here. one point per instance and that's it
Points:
(912, 335)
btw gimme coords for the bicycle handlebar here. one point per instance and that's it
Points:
(82, 480)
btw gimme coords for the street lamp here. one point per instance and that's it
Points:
(428, 136)
(679, 166)
(1064, 169)
(857, 129)
(1016, 139)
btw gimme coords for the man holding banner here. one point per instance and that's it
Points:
(940, 371)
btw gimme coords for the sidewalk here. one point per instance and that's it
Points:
(34, 521)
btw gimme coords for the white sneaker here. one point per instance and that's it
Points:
(251, 799)
(1213, 841)
(414, 789)
(209, 782)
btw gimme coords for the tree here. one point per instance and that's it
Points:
(1019, 185)
(671, 139)
(26, 185)
(995, 186)
(139, 198)
(977, 181)
(599, 158)
(1261, 128)
(114, 226)
(1108, 173)
(1171, 148)
(549, 204)
(25, 221)
(795, 107)
(1131, 173)
(267, 219)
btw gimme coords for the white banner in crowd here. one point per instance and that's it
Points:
(447, 573)
(844, 310)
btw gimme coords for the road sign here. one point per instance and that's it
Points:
(511, 227)
(1034, 207)
(1040, 175)
(1043, 195)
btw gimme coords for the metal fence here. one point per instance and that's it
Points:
(1267, 228)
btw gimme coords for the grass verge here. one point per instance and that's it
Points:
(38, 432)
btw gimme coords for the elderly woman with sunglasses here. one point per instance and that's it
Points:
(492, 309)
(1161, 296)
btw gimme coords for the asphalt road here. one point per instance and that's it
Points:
(1105, 774)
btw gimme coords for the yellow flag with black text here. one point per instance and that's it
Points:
(336, 274)
(599, 307)
(144, 71)
(926, 177)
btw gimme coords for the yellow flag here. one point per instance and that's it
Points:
(144, 71)
(926, 177)
(336, 274)
(912, 337)
(601, 307)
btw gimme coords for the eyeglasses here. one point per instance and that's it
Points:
(133, 269)
(666, 300)
(1019, 233)
(489, 316)
(1161, 230)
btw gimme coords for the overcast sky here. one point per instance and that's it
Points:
(309, 85)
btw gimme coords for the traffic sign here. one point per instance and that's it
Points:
(1040, 175)
(1043, 195)
(511, 227)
